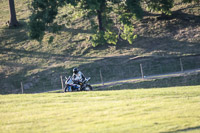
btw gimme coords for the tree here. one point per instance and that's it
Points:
(105, 31)
(43, 14)
(13, 19)
(106, 28)
(111, 29)
(189, 1)
(162, 6)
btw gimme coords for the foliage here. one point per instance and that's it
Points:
(111, 37)
(163, 6)
(110, 19)
(44, 13)
(124, 12)
(98, 39)
(127, 34)
(190, 1)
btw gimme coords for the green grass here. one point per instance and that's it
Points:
(174, 109)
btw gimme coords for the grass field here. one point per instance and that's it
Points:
(174, 109)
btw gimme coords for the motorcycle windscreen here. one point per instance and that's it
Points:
(69, 81)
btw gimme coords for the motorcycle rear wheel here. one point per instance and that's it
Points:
(88, 88)
(65, 89)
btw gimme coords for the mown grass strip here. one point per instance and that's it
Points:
(139, 110)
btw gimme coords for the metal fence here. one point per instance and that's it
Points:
(146, 67)
(101, 72)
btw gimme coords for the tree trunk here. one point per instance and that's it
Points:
(13, 18)
(100, 20)
(99, 15)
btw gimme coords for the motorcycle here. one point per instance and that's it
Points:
(81, 86)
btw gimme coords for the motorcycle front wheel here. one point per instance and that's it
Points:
(65, 89)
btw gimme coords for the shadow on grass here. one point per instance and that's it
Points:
(112, 68)
(18, 53)
(190, 129)
(14, 35)
(75, 31)
(187, 80)
(39, 81)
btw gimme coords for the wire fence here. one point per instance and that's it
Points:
(101, 72)
(142, 68)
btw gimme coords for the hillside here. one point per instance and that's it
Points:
(40, 64)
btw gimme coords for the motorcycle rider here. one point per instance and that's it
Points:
(77, 77)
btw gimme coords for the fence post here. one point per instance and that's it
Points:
(181, 64)
(61, 79)
(101, 77)
(141, 71)
(22, 88)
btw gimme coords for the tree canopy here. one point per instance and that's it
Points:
(104, 26)
(163, 6)
(110, 20)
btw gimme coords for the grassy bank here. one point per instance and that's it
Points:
(39, 64)
(172, 109)
(185, 80)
